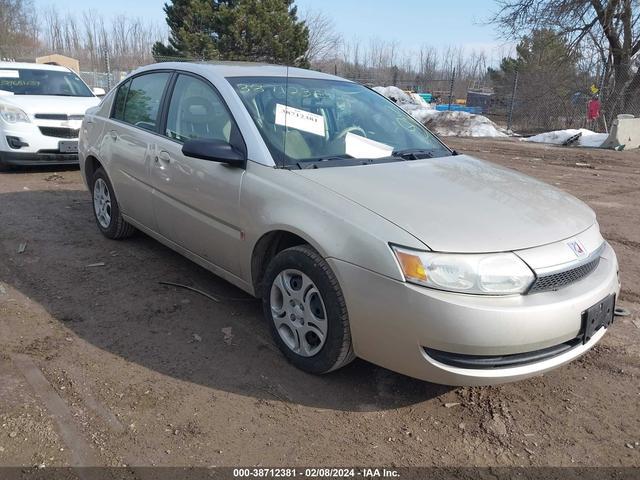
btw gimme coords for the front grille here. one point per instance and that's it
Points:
(554, 281)
(60, 132)
(58, 116)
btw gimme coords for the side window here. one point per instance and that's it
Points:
(196, 111)
(143, 100)
(121, 96)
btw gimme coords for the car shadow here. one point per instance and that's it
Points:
(108, 293)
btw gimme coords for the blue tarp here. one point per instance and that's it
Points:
(459, 108)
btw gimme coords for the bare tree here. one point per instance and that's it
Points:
(610, 28)
(18, 27)
(88, 37)
(324, 41)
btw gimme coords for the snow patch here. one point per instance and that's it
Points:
(450, 124)
(397, 95)
(558, 137)
(463, 124)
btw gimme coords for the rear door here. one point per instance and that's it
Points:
(196, 201)
(131, 136)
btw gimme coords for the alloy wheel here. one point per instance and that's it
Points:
(102, 202)
(298, 312)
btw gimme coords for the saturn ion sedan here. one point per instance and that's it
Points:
(360, 231)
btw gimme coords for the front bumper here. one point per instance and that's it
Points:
(392, 323)
(25, 159)
(37, 149)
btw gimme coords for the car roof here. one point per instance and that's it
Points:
(240, 69)
(32, 66)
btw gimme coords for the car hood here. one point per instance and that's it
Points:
(32, 104)
(460, 204)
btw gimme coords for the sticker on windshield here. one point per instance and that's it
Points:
(9, 74)
(300, 120)
(361, 147)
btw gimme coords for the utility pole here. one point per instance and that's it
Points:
(107, 66)
(453, 79)
(513, 100)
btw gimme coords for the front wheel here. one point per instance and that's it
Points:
(106, 209)
(306, 311)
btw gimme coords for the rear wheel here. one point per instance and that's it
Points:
(306, 311)
(106, 209)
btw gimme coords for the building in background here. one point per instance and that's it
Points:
(61, 60)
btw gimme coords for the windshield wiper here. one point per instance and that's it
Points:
(413, 153)
(324, 161)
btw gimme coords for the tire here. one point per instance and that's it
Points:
(299, 282)
(106, 210)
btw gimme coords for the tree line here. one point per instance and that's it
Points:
(87, 36)
(571, 47)
(563, 46)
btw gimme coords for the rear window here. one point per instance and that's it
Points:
(143, 98)
(24, 81)
(121, 96)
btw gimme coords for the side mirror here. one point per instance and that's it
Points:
(215, 151)
(98, 92)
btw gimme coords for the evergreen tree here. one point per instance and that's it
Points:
(191, 30)
(549, 82)
(545, 63)
(253, 30)
(264, 31)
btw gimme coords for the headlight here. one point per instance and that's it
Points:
(11, 114)
(488, 274)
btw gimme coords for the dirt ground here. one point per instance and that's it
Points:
(102, 365)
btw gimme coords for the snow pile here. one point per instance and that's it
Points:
(420, 101)
(398, 96)
(462, 124)
(558, 137)
(413, 104)
(451, 124)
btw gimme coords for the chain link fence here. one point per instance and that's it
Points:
(538, 100)
(97, 67)
(533, 103)
(526, 103)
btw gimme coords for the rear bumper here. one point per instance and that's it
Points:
(35, 159)
(395, 324)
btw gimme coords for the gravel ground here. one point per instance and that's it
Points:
(102, 365)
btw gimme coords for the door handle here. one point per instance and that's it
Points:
(163, 157)
(114, 135)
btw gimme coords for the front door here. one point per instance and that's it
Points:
(196, 202)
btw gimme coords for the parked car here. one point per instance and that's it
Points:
(41, 109)
(363, 234)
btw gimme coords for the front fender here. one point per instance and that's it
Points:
(276, 199)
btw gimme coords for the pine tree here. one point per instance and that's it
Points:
(252, 30)
(264, 31)
(545, 63)
(548, 79)
(192, 34)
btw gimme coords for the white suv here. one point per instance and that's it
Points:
(41, 110)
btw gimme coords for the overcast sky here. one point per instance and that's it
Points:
(410, 22)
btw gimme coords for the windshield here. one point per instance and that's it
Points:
(304, 120)
(24, 81)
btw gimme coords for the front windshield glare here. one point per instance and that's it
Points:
(306, 120)
(25, 81)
